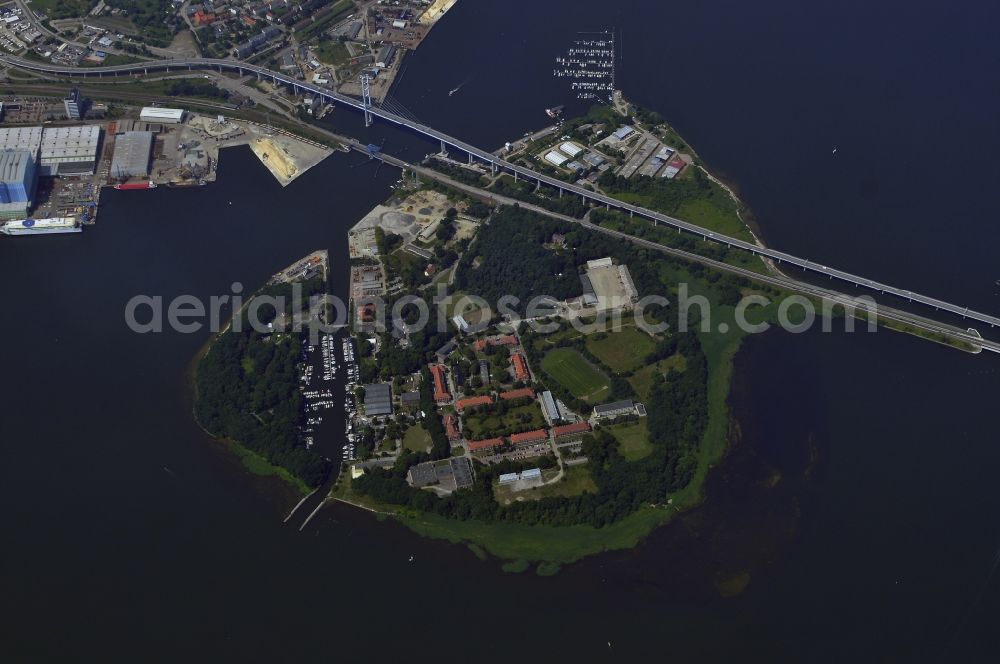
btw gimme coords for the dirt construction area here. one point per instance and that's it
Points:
(408, 217)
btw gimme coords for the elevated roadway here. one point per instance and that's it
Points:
(243, 69)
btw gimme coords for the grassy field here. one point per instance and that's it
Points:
(575, 374)
(575, 480)
(633, 439)
(416, 439)
(642, 379)
(625, 350)
(714, 210)
(332, 52)
(483, 425)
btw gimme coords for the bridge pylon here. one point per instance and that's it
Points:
(366, 97)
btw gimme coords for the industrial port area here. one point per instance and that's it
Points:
(57, 154)
(51, 175)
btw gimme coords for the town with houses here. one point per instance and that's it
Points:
(492, 402)
(333, 43)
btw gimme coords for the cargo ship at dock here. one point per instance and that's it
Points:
(136, 185)
(41, 226)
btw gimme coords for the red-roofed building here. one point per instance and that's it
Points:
(568, 430)
(202, 17)
(441, 393)
(530, 437)
(481, 445)
(451, 427)
(497, 340)
(472, 402)
(520, 367)
(518, 394)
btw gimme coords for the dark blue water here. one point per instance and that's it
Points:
(858, 506)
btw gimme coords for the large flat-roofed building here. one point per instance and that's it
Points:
(385, 56)
(555, 158)
(17, 183)
(21, 138)
(131, 156)
(618, 408)
(378, 399)
(17, 176)
(163, 115)
(446, 474)
(69, 150)
(549, 407)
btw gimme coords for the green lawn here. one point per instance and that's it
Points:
(625, 350)
(416, 439)
(633, 439)
(490, 424)
(642, 379)
(332, 52)
(575, 480)
(575, 373)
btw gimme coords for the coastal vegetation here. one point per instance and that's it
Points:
(247, 390)
(635, 466)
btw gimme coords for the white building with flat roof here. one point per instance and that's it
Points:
(555, 158)
(162, 115)
(69, 150)
(21, 138)
(572, 149)
(599, 263)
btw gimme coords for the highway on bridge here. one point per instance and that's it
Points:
(147, 67)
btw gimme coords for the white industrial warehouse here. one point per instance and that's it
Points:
(162, 115)
(131, 155)
(56, 150)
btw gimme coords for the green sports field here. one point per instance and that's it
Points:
(575, 374)
(625, 350)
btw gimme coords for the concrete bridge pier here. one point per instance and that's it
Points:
(515, 176)
(470, 159)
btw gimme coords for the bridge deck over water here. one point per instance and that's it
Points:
(496, 162)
